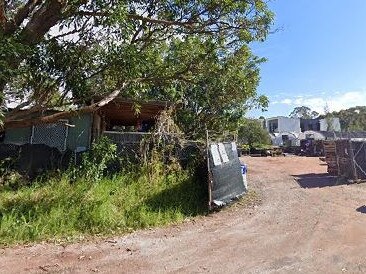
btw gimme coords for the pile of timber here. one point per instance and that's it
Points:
(330, 152)
(346, 158)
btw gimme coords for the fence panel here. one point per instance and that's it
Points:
(226, 178)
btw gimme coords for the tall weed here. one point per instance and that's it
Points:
(94, 162)
(61, 209)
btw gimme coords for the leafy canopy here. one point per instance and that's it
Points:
(252, 133)
(352, 119)
(304, 112)
(60, 54)
(220, 95)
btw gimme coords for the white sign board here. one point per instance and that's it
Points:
(233, 147)
(215, 155)
(223, 153)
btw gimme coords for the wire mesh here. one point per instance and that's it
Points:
(53, 135)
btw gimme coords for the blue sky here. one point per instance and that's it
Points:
(317, 58)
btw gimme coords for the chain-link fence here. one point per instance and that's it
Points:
(52, 135)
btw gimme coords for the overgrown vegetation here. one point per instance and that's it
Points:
(9, 178)
(94, 162)
(193, 53)
(65, 206)
(252, 133)
(76, 56)
(59, 209)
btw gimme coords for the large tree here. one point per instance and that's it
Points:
(304, 112)
(251, 132)
(60, 54)
(220, 95)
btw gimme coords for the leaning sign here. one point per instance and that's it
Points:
(225, 174)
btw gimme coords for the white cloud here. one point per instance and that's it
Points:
(335, 101)
(287, 101)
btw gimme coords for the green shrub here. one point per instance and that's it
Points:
(245, 147)
(9, 178)
(95, 162)
(260, 146)
(252, 133)
(83, 201)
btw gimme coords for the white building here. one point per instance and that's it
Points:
(283, 124)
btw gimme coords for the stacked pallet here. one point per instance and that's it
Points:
(344, 158)
(330, 151)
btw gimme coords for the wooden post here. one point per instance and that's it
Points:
(209, 177)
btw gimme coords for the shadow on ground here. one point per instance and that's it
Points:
(362, 209)
(316, 180)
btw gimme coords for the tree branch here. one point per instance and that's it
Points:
(13, 122)
(9, 123)
(20, 114)
(47, 16)
(76, 30)
(188, 24)
(2, 14)
(21, 14)
(18, 108)
(161, 21)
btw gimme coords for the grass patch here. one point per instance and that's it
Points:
(59, 209)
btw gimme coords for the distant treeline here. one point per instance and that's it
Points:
(352, 119)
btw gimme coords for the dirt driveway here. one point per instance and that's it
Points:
(307, 226)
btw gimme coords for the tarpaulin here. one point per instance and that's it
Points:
(226, 173)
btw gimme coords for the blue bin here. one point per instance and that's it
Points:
(244, 169)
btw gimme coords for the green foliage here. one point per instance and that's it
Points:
(218, 98)
(10, 179)
(352, 119)
(95, 161)
(245, 147)
(304, 112)
(83, 201)
(193, 52)
(61, 210)
(222, 96)
(251, 132)
(261, 146)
